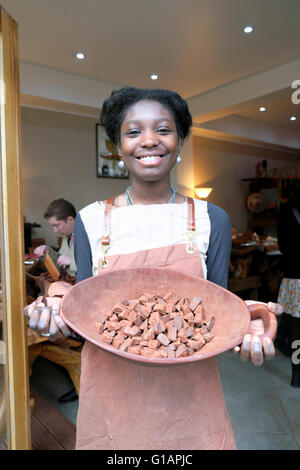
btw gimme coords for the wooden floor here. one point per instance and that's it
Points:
(50, 429)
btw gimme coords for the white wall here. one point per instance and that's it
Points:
(222, 165)
(185, 171)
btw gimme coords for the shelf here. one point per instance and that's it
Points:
(263, 182)
(268, 182)
(263, 223)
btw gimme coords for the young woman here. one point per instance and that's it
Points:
(123, 405)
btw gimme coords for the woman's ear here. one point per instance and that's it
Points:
(119, 150)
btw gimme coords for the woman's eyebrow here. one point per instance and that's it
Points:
(136, 121)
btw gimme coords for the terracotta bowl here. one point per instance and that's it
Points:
(84, 301)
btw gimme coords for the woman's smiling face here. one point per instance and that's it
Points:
(149, 141)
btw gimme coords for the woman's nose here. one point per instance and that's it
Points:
(149, 139)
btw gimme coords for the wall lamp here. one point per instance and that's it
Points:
(202, 193)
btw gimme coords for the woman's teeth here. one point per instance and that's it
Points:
(153, 157)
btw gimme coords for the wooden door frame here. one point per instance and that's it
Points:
(12, 260)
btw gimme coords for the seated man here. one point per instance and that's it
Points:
(61, 216)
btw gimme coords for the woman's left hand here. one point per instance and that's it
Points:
(252, 346)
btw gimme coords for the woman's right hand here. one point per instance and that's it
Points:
(44, 318)
(41, 250)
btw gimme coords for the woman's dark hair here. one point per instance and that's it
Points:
(115, 107)
(60, 209)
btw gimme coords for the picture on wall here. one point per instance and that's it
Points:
(107, 157)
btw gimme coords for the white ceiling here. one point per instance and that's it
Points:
(279, 110)
(194, 45)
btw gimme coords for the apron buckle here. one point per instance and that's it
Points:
(190, 247)
(104, 262)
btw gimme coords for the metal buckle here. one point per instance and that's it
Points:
(104, 262)
(190, 247)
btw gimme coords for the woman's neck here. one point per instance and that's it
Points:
(146, 194)
(152, 193)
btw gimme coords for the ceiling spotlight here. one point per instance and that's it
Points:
(262, 108)
(80, 55)
(293, 118)
(154, 76)
(248, 29)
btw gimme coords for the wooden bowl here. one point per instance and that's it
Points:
(84, 301)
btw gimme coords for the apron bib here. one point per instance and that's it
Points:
(129, 406)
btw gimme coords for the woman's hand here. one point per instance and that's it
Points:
(44, 318)
(252, 346)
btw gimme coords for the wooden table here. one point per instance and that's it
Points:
(33, 338)
(251, 283)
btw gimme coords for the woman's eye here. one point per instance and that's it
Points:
(163, 130)
(132, 133)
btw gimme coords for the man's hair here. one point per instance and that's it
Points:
(116, 106)
(60, 209)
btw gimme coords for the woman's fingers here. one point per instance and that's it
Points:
(34, 315)
(245, 348)
(256, 351)
(275, 308)
(44, 321)
(44, 318)
(31, 307)
(253, 347)
(268, 347)
(54, 328)
(62, 326)
(272, 306)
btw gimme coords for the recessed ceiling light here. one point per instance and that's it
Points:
(80, 55)
(154, 76)
(248, 29)
(293, 118)
(262, 108)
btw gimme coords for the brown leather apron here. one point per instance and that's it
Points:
(125, 405)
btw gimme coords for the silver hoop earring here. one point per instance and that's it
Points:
(179, 160)
(121, 164)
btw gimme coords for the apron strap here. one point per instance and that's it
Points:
(105, 240)
(191, 215)
(191, 226)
